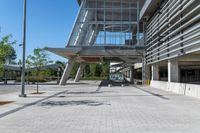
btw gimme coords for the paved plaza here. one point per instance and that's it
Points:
(89, 108)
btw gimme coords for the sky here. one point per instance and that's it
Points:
(49, 23)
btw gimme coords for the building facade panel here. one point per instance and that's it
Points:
(173, 31)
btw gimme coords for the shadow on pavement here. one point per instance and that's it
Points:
(104, 83)
(107, 82)
(153, 94)
(77, 93)
(77, 84)
(72, 103)
(30, 104)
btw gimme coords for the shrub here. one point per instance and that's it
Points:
(33, 79)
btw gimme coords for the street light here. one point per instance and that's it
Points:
(24, 55)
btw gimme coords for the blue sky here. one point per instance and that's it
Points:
(49, 23)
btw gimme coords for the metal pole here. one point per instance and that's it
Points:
(24, 55)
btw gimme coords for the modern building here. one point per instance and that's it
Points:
(172, 40)
(104, 31)
(162, 35)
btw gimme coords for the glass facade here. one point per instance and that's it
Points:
(107, 23)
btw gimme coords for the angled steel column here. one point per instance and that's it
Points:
(66, 72)
(79, 72)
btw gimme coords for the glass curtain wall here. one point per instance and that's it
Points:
(107, 23)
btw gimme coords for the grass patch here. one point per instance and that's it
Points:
(5, 102)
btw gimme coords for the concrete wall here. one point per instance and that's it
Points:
(179, 88)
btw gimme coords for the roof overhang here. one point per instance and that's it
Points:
(19, 67)
(99, 53)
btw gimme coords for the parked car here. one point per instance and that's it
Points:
(116, 79)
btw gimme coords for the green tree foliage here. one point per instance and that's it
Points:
(92, 71)
(95, 71)
(105, 69)
(37, 60)
(6, 48)
(19, 62)
(87, 71)
(74, 69)
(7, 52)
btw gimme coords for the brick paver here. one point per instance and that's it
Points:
(84, 108)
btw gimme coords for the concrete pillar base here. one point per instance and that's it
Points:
(173, 71)
(155, 72)
(66, 72)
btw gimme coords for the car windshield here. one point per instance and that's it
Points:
(116, 77)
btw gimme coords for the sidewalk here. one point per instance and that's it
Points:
(88, 108)
(18, 103)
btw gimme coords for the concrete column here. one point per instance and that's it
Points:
(155, 72)
(79, 72)
(58, 75)
(173, 71)
(145, 72)
(132, 74)
(67, 71)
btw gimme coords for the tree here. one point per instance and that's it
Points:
(6, 48)
(105, 69)
(37, 60)
(7, 52)
(87, 71)
(92, 70)
(98, 70)
(19, 62)
(74, 70)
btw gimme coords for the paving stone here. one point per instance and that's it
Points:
(82, 109)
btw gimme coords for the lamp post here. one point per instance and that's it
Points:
(24, 55)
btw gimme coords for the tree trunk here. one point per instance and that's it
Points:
(37, 82)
